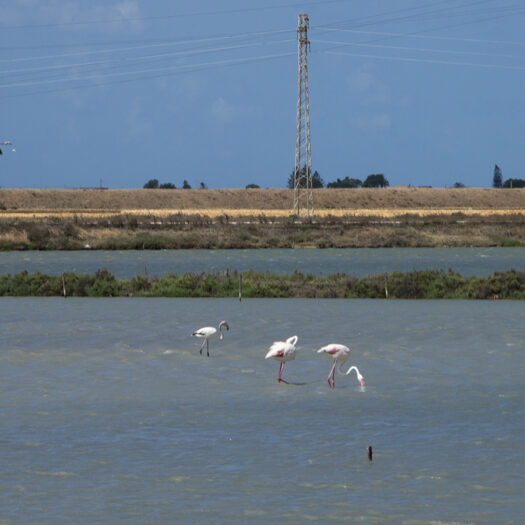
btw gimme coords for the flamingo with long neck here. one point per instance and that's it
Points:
(283, 351)
(207, 333)
(339, 353)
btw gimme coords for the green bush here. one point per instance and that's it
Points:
(412, 285)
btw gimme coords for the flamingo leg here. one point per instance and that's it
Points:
(331, 379)
(202, 346)
(207, 349)
(279, 379)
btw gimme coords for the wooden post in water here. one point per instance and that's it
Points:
(369, 452)
(240, 286)
(64, 285)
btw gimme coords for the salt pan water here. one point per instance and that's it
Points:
(109, 414)
(358, 262)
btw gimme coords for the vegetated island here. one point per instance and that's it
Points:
(256, 218)
(425, 284)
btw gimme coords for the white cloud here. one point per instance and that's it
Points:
(377, 122)
(222, 110)
(371, 94)
(127, 10)
(73, 12)
(365, 83)
(361, 81)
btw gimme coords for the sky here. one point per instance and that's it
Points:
(113, 93)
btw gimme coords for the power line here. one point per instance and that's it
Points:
(115, 62)
(150, 46)
(152, 70)
(353, 21)
(179, 15)
(418, 34)
(426, 61)
(427, 37)
(125, 60)
(418, 49)
(140, 78)
(385, 17)
(367, 22)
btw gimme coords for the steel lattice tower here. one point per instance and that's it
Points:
(303, 196)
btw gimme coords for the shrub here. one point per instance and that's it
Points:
(38, 233)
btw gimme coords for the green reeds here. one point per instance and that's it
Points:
(426, 284)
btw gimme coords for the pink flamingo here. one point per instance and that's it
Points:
(339, 353)
(283, 351)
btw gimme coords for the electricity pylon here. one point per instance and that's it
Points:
(302, 175)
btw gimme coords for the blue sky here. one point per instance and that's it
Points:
(119, 92)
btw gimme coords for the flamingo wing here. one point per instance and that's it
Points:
(206, 332)
(281, 350)
(276, 350)
(334, 349)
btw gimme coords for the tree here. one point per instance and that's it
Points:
(376, 181)
(459, 185)
(514, 183)
(152, 184)
(203, 186)
(186, 185)
(317, 181)
(167, 186)
(345, 183)
(497, 180)
(252, 186)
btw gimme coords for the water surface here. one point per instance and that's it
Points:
(358, 262)
(110, 415)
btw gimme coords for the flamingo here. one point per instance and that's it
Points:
(207, 333)
(339, 353)
(283, 351)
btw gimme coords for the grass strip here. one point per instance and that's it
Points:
(425, 284)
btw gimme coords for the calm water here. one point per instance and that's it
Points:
(358, 262)
(110, 415)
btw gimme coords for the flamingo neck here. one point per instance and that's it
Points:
(292, 340)
(358, 374)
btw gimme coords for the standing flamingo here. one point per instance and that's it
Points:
(207, 333)
(339, 353)
(283, 351)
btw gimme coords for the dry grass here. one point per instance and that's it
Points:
(387, 213)
(270, 201)
(120, 219)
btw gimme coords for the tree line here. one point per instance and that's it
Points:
(153, 184)
(497, 180)
(372, 181)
